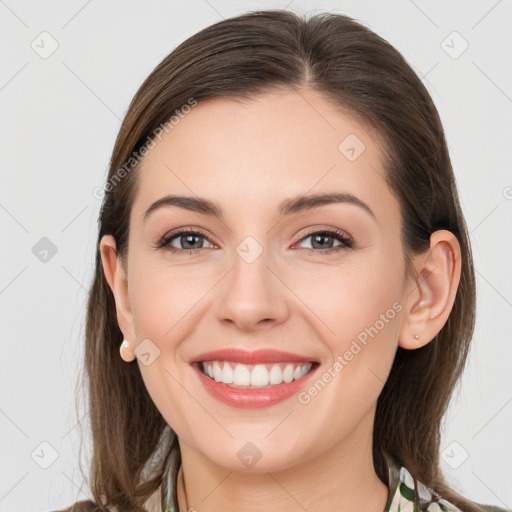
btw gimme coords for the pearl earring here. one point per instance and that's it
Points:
(127, 358)
(416, 337)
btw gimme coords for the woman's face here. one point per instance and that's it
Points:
(270, 272)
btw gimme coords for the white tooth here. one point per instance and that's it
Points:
(217, 371)
(275, 375)
(227, 374)
(305, 368)
(288, 373)
(259, 376)
(222, 371)
(241, 375)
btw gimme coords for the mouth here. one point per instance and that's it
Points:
(254, 376)
(253, 380)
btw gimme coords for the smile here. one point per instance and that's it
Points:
(238, 375)
(250, 396)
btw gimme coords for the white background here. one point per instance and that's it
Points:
(60, 116)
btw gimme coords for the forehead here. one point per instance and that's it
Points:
(248, 155)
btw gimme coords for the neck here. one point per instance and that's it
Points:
(343, 479)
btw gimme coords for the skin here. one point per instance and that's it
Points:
(247, 157)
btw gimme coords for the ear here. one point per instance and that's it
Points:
(430, 299)
(116, 276)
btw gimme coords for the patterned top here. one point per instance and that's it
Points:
(405, 494)
(409, 495)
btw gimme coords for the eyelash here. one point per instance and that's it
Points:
(346, 241)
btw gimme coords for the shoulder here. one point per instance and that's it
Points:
(80, 506)
(406, 493)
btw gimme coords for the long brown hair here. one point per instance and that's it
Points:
(363, 74)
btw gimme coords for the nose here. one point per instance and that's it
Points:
(252, 296)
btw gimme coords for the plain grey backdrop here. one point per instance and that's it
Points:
(67, 74)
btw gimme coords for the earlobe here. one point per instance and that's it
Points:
(430, 300)
(116, 278)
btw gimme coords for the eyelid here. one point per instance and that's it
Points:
(168, 236)
(346, 241)
(311, 230)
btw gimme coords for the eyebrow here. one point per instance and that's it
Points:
(287, 207)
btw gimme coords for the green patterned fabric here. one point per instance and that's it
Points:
(409, 495)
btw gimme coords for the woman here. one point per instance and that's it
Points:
(283, 253)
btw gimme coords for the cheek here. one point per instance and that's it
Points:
(164, 298)
(354, 295)
(357, 313)
(365, 320)
(164, 301)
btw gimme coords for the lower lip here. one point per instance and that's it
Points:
(246, 398)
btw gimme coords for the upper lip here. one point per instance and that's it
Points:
(251, 357)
